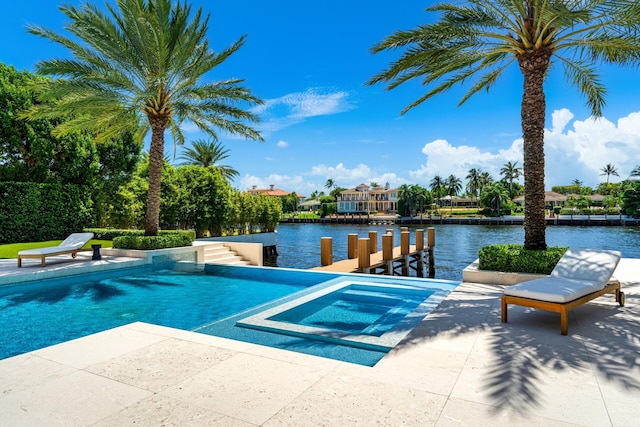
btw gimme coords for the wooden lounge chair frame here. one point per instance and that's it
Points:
(42, 257)
(562, 308)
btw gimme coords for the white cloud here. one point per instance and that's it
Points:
(294, 108)
(445, 159)
(578, 152)
(282, 144)
(340, 173)
(285, 182)
(581, 150)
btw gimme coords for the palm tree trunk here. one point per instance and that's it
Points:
(533, 65)
(156, 160)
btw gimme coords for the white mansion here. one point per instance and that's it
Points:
(364, 199)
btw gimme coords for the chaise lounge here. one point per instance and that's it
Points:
(580, 276)
(70, 245)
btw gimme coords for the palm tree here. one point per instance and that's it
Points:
(635, 172)
(608, 170)
(473, 181)
(405, 193)
(480, 39)
(493, 196)
(329, 185)
(209, 154)
(140, 66)
(453, 185)
(510, 171)
(437, 187)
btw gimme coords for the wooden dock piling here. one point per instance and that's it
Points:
(326, 251)
(373, 242)
(364, 255)
(390, 260)
(352, 246)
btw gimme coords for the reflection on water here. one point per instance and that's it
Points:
(456, 245)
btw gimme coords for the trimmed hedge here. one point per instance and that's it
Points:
(145, 243)
(135, 239)
(112, 233)
(515, 258)
(33, 212)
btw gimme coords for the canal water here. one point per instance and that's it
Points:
(456, 245)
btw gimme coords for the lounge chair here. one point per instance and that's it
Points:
(70, 245)
(580, 276)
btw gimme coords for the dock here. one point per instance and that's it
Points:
(363, 256)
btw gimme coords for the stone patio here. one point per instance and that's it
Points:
(460, 366)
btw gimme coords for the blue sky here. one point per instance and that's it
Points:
(309, 61)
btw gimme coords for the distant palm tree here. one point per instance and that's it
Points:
(374, 184)
(480, 39)
(405, 193)
(493, 196)
(437, 186)
(485, 179)
(635, 172)
(208, 154)
(510, 171)
(608, 170)
(329, 185)
(473, 181)
(453, 185)
(577, 183)
(137, 67)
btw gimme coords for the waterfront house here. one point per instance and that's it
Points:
(365, 199)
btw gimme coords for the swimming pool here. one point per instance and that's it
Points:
(207, 299)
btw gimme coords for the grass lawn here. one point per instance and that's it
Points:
(11, 250)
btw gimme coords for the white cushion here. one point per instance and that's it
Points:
(586, 264)
(77, 240)
(553, 289)
(47, 251)
(74, 242)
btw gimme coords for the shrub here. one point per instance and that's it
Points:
(515, 259)
(32, 212)
(111, 233)
(145, 243)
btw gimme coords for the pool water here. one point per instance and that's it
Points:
(208, 299)
(38, 314)
(356, 309)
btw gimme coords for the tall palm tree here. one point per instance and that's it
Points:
(209, 154)
(608, 170)
(479, 39)
(453, 185)
(635, 172)
(510, 171)
(406, 194)
(437, 186)
(140, 66)
(473, 181)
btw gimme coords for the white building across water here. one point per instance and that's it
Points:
(365, 199)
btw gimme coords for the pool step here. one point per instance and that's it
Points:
(218, 253)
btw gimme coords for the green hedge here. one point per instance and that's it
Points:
(167, 240)
(589, 211)
(33, 212)
(112, 233)
(515, 259)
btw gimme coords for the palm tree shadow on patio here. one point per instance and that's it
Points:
(602, 336)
